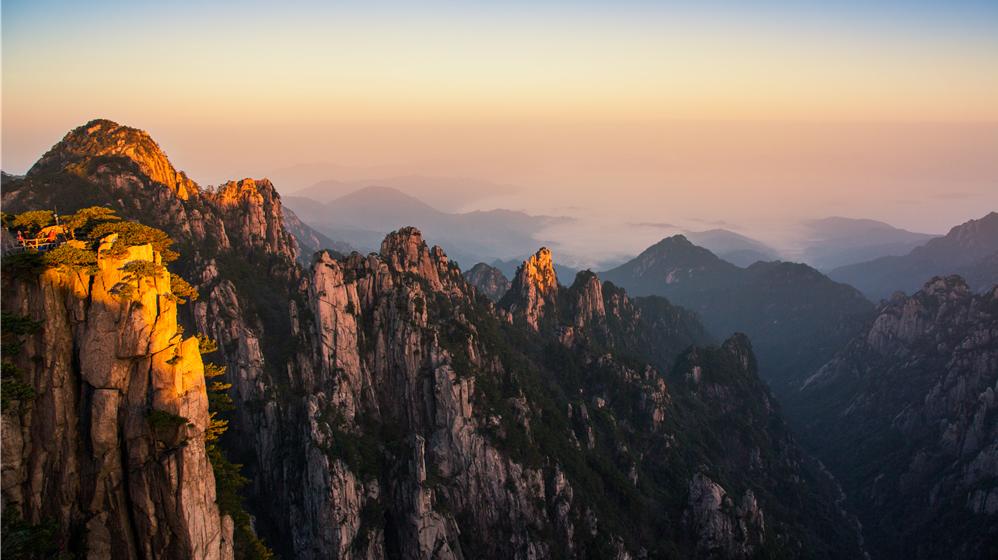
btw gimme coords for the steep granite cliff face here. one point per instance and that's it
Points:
(108, 442)
(433, 419)
(906, 416)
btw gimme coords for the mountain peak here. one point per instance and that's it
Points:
(534, 287)
(233, 192)
(488, 280)
(538, 270)
(403, 245)
(678, 246)
(104, 138)
(678, 240)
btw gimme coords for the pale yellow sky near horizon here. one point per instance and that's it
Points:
(754, 122)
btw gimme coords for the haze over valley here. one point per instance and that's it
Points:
(530, 281)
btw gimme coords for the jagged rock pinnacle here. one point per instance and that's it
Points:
(539, 271)
(535, 286)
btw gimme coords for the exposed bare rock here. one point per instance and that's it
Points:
(105, 139)
(259, 219)
(915, 393)
(111, 446)
(534, 289)
(726, 527)
(488, 280)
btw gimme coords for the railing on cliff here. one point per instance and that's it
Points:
(33, 246)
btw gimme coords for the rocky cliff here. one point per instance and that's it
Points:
(385, 409)
(488, 280)
(906, 416)
(534, 289)
(105, 413)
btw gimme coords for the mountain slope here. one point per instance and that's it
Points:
(385, 409)
(796, 317)
(969, 250)
(835, 242)
(906, 417)
(732, 247)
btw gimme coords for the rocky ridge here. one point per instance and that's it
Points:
(906, 416)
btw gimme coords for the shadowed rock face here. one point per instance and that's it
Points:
(96, 449)
(488, 280)
(906, 416)
(796, 317)
(384, 409)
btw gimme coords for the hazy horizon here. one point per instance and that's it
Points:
(748, 118)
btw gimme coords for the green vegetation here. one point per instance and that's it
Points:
(92, 224)
(135, 273)
(83, 221)
(182, 290)
(131, 234)
(22, 540)
(13, 389)
(24, 266)
(70, 258)
(165, 426)
(33, 221)
(229, 480)
(207, 345)
(363, 452)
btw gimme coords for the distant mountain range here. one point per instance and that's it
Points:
(450, 194)
(836, 241)
(733, 247)
(796, 317)
(363, 217)
(970, 250)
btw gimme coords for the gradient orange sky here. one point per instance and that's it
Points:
(753, 116)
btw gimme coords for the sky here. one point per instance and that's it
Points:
(755, 115)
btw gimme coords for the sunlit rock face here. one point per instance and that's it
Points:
(111, 446)
(534, 289)
(105, 139)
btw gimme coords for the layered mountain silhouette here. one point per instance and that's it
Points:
(970, 250)
(448, 194)
(796, 317)
(834, 242)
(363, 217)
(733, 247)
